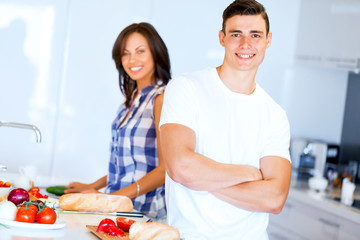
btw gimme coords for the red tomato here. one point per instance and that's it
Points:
(114, 231)
(1, 183)
(7, 184)
(25, 215)
(46, 216)
(31, 207)
(124, 223)
(104, 224)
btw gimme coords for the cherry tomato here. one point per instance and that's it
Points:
(25, 215)
(104, 224)
(114, 231)
(124, 223)
(7, 184)
(1, 183)
(46, 216)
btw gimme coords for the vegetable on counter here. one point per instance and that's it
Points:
(35, 191)
(38, 203)
(124, 223)
(104, 224)
(26, 214)
(7, 210)
(35, 211)
(18, 196)
(5, 188)
(46, 216)
(57, 190)
(114, 231)
(21, 208)
(5, 184)
(108, 226)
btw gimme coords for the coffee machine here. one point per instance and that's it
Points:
(309, 157)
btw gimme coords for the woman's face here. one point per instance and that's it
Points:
(137, 60)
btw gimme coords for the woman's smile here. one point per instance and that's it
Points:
(135, 69)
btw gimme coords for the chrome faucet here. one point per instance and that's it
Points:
(21, 125)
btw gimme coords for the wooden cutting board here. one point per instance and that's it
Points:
(106, 236)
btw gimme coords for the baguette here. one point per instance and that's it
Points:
(153, 231)
(95, 202)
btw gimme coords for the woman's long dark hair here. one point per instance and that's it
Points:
(158, 50)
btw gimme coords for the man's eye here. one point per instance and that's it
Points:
(256, 35)
(236, 35)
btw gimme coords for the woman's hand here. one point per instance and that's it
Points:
(91, 190)
(78, 187)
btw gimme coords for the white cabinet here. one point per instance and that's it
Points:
(276, 232)
(329, 34)
(300, 220)
(348, 230)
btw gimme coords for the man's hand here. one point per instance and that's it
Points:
(267, 195)
(257, 173)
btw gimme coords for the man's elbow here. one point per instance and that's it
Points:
(179, 172)
(277, 204)
(276, 209)
(175, 175)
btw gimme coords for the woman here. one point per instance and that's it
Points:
(136, 166)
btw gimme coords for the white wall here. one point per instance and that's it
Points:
(56, 72)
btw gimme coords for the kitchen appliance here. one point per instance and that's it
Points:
(310, 157)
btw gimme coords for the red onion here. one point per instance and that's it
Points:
(18, 196)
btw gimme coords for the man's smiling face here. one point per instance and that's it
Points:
(245, 41)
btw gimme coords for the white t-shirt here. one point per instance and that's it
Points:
(230, 128)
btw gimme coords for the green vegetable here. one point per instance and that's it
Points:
(57, 190)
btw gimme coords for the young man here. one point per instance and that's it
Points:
(225, 141)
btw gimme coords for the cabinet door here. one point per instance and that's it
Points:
(307, 221)
(348, 230)
(276, 232)
(337, 22)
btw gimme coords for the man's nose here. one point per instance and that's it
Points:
(245, 42)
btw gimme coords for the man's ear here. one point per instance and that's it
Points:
(221, 37)
(268, 40)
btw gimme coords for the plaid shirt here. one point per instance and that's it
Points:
(134, 151)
